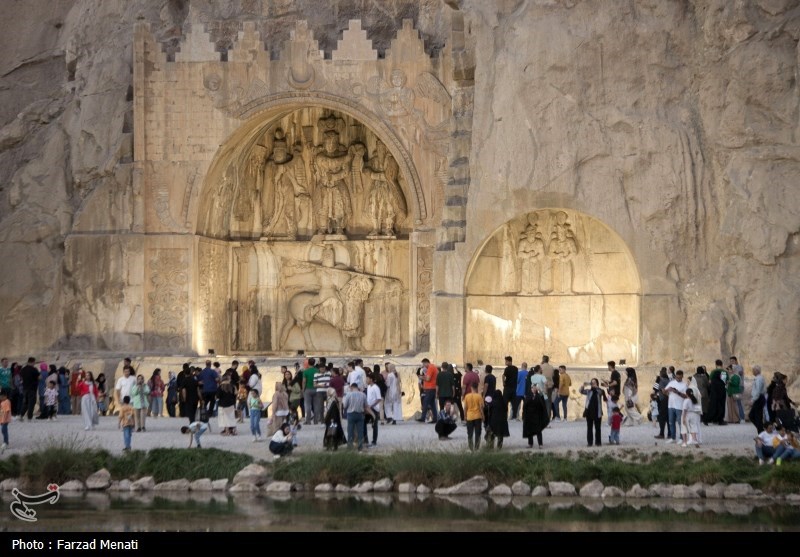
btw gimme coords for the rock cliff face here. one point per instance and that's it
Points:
(675, 123)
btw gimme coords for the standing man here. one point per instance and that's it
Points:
(322, 380)
(30, 383)
(123, 386)
(613, 385)
(355, 406)
(758, 398)
(564, 383)
(676, 389)
(429, 390)
(444, 385)
(547, 388)
(470, 376)
(356, 375)
(375, 403)
(510, 388)
(309, 371)
(209, 383)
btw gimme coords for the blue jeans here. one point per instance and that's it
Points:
(785, 453)
(613, 437)
(4, 429)
(200, 432)
(355, 425)
(674, 424)
(563, 400)
(741, 409)
(127, 435)
(429, 402)
(255, 423)
(308, 405)
(764, 451)
(474, 434)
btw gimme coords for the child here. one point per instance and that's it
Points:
(127, 419)
(255, 405)
(50, 401)
(616, 423)
(195, 431)
(613, 402)
(654, 409)
(5, 418)
(242, 404)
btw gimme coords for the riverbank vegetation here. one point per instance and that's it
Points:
(67, 458)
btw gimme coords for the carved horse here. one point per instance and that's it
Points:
(342, 310)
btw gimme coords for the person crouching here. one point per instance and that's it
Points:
(281, 443)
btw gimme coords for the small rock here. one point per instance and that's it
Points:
(244, 487)
(423, 489)
(323, 488)
(342, 488)
(699, 488)
(738, 491)
(501, 490)
(540, 491)
(363, 487)
(593, 489)
(406, 487)
(520, 488)
(661, 490)
(99, 480)
(278, 487)
(383, 485)
(122, 485)
(561, 489)
(638, 492)
(681, 491)
(793, 498)
(203, 484)
(716, 491)
(611, 492)
(252, 473)
(10, 483)
(72, 485)
(143, 484)
(173, 485)
(473, 486)
(220, 484)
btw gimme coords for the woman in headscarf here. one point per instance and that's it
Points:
(87, 390)
(535, 416)
(393, 405)
(631, 392)
(334, 434)
(717, 396)
(226, 409)
(102, 399)
(699, 385)
(497, 421)
(140, 398)
(63, 392)
(593, 410)
(172, 393)
(280, 408)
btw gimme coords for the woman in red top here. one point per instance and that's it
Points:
(87, 389)
(156, 385)
(75, 396)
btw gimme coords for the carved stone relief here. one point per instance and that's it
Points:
(423, 301)
(168, 299)
(213, 283)
(574, 295)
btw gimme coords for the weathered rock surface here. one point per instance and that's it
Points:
(716, 491)
(738, 491)
(406, 487)
(220, 484)
(99, 480)
(611, 492)
(122, 485)
(252, 473)
(593, 489)
(561, 489)
(10, 483)
(363, 487)
(473, 486)
(181, 485)
(540, 491)
(383, 485)
(244, 487)
(501, 490)
(143, 484)
(278, 487)
(423, 489)
(638, 492)
(323, 488)
(72, 485)
(520, 488)
(203, 484)
(342, 488)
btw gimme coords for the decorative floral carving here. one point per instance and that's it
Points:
(424, 289)
(169, 298)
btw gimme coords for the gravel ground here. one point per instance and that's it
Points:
(560, 437)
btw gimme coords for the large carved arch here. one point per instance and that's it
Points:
(216, 194)
(553, 281)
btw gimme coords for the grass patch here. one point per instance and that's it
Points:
(192, 464)
(62, 458)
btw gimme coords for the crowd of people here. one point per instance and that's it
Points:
(353, 402)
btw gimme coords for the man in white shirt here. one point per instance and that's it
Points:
(124, 384)
(676, 389)
(357, 375)
(374, 401)
(765, 444)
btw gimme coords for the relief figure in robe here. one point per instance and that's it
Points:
(530, 253)
(385, 200)
(332, 167)
(285, 198)
(562, 252)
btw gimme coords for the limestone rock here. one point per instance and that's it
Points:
(406, 487)
(638, 492)
(323, 488)
(611, 492)
(143, 484)
(72, 485)
(699, 488)
(561, 489)
(99, 480)
(383, 485)
(501, 490)
(220, 484)
(423, 489)
(661, 490)
(363, 487)
(738, 491)
(540, 491)
(593, 489)
(122, 485)
(716, 491)
(683, 492)
(342, 488)
(793, 498)
(10, 483)
(520, 488)
(180, 486)
(252, 473)
(244, 487)
(278, 487)
(203, 484)
(473, 486)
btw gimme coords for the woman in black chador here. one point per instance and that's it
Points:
(497, 421)
(593, 410)
(334, 434)
(535, 415)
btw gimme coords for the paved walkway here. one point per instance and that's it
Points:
(560, 437)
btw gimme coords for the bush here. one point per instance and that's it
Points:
(62, 458)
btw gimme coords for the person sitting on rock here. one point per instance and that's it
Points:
(446, 421)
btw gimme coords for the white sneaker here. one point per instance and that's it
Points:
(670, 442)
(255, 439)
(276, 457)
(771, 461)
(761, 462)
(684, 445)
(3, 447)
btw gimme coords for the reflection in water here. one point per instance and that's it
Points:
(198, 511)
